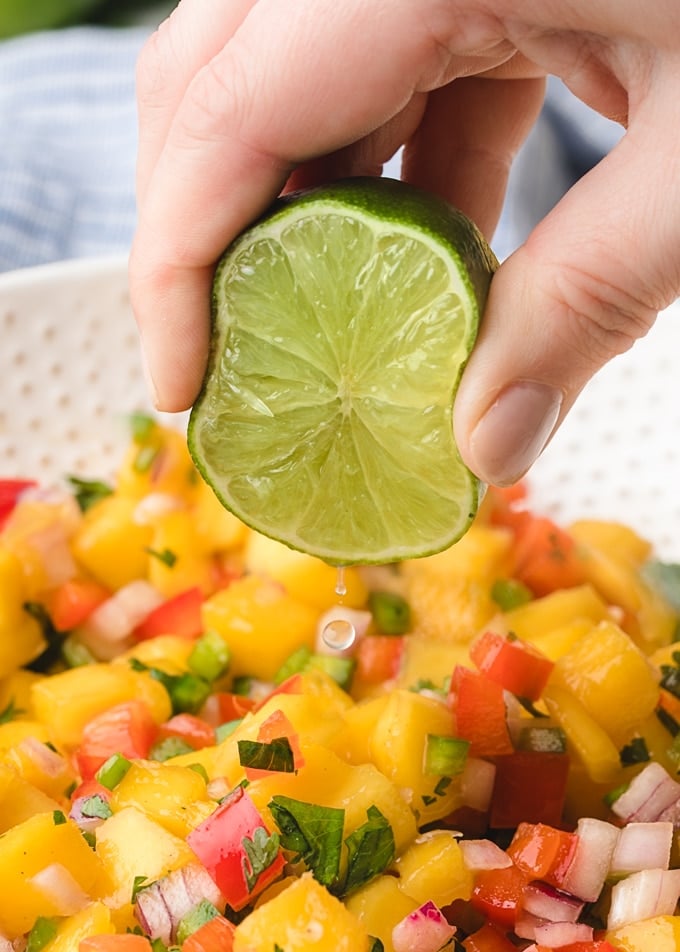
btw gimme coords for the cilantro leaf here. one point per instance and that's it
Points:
(58, 817)
(261, 851)
(635, 752)
(10, 712)
(276, 755)
(370, 848)
(313, 832)
(665, 578)
(138, 884)
(96, 806)
(166, 556)
(53, 638)
(88, 491)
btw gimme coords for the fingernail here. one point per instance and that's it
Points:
(514, 431)
(148, 379)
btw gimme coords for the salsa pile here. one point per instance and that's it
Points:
(185, 763)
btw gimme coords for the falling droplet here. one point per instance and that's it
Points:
(340, 584)
(339, 634)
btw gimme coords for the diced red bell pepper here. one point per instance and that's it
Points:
(497, 895)
(488, 939)
(507, 506)
(378, 658)
(543, 852)
(90, 788)
(215, 935)
(73, 602)
(192, 729)
(222, 707)
(529, 786)
(547, 557)
(515, 665)
(179, 615)
(272, 728)
(222, 843)
(127, 729)
(479, 713)
(10, 491)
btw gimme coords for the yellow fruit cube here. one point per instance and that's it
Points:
(28, 848)
(217, 529)
(303, 917)
(588, 740)
(110, 544)
(131, 844)
(20, 800)
(177, 561)
(432, 868)
(94, 919)
(611, 678)
(21, 636)
(158, 462)
(15, 690)
(560, 608)
(304, 577)
(379, 906)
(660, 934)
(169, 653)
(484, 553)
(427, 659)
(261, 623)
(162, 791)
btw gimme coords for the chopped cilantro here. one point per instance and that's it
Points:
(58, 817)
(668, 721)
(169, 747)
(375, 945)
(141, 426)
(313, 832)
(10, 712)
(96, 806)
(87, 492)
(529, 706)
(138, 884)
(187, 691)
(53, 638)
(261, 851)
(144, 459)
(200, 770)
(442, 786)
(635, 752)
(277, 755)
(194, 919)
(370, 848)
(166, 556)
(665, 578)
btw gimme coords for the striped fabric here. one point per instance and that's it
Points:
(68, 141)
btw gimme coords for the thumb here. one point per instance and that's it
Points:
(589, 281)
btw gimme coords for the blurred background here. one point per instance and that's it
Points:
(68, 130)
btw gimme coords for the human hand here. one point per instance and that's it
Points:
(239, 99)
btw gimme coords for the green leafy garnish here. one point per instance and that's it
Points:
(138, 884)
(87, 492)
(261, 851)
(635, 752)
(58, 817)
(141, 426)
(10, 712)
(96, 806)
(194, 919)
(53, 638)
(187, 691)
(312, 832)
(276, 755)
(370, 849)
(169, 747)
(166, 556)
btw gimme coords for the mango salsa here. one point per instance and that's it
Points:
(186, 763)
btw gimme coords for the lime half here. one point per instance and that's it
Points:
(342, 321)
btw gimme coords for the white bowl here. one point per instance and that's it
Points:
(70, 372)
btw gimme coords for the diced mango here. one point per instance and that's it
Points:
(557, 642)
(484, 553)
(616, 540)
(15, 689)
(131, 844)
(427, 659)
(26, 849)
(452, 610)
(379, 906)
(94, 919)
(175, 534)
(21, 636)
(68, 700)
(303, 917)
(660, 934)
(587, 739)
(560, 608)
(352, 742)
(217, 529)
(20, 800)
(110, 544)
(261, 624)
(611, 678)
(13, 732)
(432, 868)
(158, 463)
(304, 577)
(162, 791)
(169, 653)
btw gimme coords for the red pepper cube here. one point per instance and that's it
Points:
(237, 849)
(515, 665)
(543, 852)
(215, 935)
(127, 729)
(379, 658)
(497, 895)
(547, 557)
(529, 787)
(179, 615)
(488, 939)
(479, 713)
(195, 731)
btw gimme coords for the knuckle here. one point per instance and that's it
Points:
(157, 64)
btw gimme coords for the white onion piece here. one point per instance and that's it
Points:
(358, 619)
(651, 792)
(51, 544)
(586, 874)
(88, 824)
(642, 846)
(526, 924)
(161, 906)
(154, 505)
(113, 622)
(218, 788)
(643, 895)
(556, 934)
(60, 888)
(424, 930)
(484, 854)
(5, 944)
(66, 509)
(476, 784)
(546, 902)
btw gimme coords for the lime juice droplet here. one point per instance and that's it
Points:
(339, 634)
(340, 584)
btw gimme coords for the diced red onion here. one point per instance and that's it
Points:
(88, 824)
(546, 902)
(643, 895)
(476, 784)
(526, 924)
(651, 792)
(484, 854)
(424, 930)
(596, 840)
(642, 846)
(161, 906)
(153, 505)
(60, 888)
(113, 622)
(557, 934)
(359, 620)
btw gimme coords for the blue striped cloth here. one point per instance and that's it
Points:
(68, 134)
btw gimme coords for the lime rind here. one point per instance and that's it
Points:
(342, 323)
